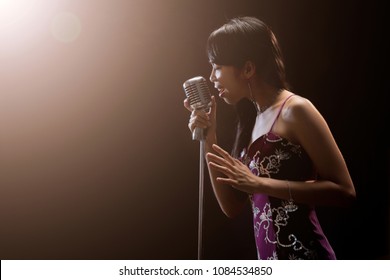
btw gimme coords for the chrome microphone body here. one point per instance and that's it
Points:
(199, 98)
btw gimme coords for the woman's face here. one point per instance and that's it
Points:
(229, 82)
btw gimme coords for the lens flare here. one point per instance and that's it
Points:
(66, 27)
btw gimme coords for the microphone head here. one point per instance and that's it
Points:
(198, 93)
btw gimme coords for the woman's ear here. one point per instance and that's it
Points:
(249, 70)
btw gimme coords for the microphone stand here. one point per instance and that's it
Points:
(201, 198)
(198, 134)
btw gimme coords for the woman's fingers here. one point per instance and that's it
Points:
(199, 119)
(229, 180)
(220, 164)
(213, 107)
(223, 153)
(186, 104)
(218, 160)
(223, 169)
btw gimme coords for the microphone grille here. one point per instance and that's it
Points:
(198, 92)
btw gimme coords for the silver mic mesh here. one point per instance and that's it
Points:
(198, 93)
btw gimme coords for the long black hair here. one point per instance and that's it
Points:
(245, 39)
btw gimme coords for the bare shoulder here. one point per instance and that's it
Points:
(299, 109)
(300, 118)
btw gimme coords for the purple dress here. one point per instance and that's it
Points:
(283, 232)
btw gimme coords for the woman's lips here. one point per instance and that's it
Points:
(221, 92)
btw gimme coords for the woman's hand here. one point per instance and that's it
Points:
(237, 174)
(203, 119)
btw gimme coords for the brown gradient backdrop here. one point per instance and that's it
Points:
(96, 161)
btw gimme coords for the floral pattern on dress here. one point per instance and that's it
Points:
(276, 217)
(263, 220)
(270, 164)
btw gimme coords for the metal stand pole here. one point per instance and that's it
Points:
(200, 214)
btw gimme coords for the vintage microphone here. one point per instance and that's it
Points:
(199, 98)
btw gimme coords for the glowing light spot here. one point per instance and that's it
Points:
(66, 27)
(12, 11)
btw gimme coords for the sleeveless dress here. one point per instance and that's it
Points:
(284, 229)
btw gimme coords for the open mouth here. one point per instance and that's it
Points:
(221, 92)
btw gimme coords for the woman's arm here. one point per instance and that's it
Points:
(306, 126)
(301, 123)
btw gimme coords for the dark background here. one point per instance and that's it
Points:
(96, 161)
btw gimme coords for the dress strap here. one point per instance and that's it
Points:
(280, 110)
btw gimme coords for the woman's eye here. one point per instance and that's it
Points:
(216, 67)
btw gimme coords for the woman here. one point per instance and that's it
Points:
(285, 160)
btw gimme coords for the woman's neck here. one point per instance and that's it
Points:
(266, 96)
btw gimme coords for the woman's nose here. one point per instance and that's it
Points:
(212, 76)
